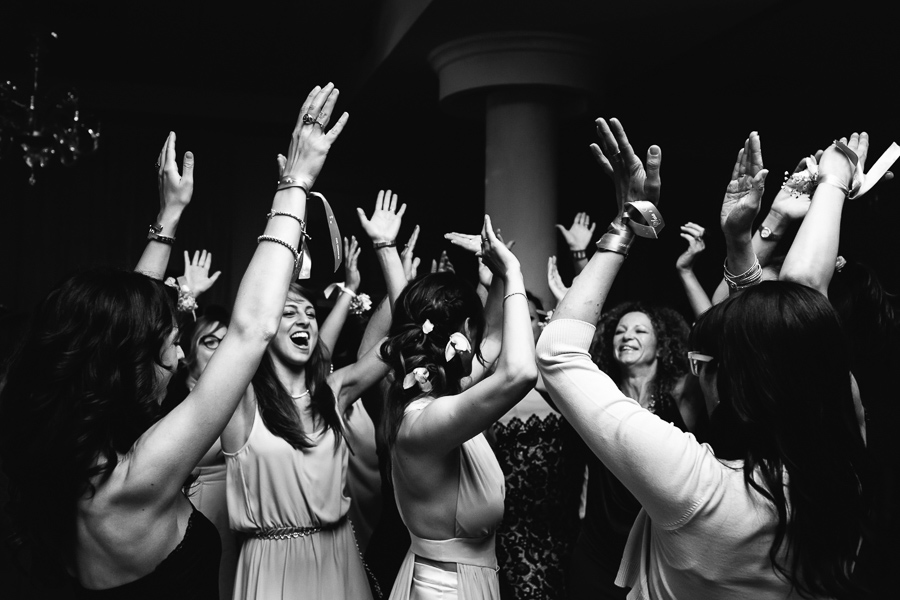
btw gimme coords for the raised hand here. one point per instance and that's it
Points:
(617, 158)
(408, 258)
(351, 270)
(579, 235)
(496, 254)
(693, 233)
(557, 287)
(310, 142)
(196, 272)
(384, 225)
(744, 192)
(835, 163)
(443, 264)
(175, 189)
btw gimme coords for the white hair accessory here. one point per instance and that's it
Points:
(458, 344)
(427, 327)
(418, 375)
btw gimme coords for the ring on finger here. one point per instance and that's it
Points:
(308, 119)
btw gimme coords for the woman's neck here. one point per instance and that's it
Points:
(637, 382)
(293, 380)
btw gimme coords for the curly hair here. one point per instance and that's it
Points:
(783, 379)
(277, 408)
(81, 389)
(448, 302)
(671, 342)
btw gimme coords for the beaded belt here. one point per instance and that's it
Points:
(286, 533)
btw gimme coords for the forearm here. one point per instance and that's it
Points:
(697, 297)
(392, 269)
(493, 308)
(379, 325)
(155, 258)
(579, 264)
(516, 360)
(584, 300)
(739, 256)
(331, 327)
(811, 258)
(260, 297)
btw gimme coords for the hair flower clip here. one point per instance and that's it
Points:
(419, 375)
(427, 327)
(458, 344)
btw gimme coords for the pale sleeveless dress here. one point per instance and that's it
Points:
(271, 484)
(479, 510)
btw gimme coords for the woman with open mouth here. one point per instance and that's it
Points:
(286, 454)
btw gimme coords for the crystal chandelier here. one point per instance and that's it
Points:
(46, 127)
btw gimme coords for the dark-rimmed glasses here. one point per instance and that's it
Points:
(695, 358)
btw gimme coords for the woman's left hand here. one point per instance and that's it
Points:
(835, 162)
(496, 254)
(196, 272)
(384, 226)
(175, 189)
(352, 277)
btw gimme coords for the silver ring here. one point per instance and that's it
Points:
(617, 155)
(308, 119)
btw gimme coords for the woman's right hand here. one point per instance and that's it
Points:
(744, 192)
(310, 142)
(619, 162)
(693, 233)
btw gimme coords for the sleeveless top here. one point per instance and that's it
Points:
(191, 570)
(479, 510)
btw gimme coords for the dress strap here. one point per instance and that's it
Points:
(478, 552)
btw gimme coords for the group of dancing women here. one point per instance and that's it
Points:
(639, 457)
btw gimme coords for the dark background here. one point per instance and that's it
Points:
(229, 80)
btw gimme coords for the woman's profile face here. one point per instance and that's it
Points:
(298, 332)
(634, 342)
(535, 321)
(207, 343)
(169, 356)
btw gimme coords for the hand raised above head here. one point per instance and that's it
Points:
(384, 225)
(744, 192)
(310, 142)
(408, 258)
(579, 235)
(557, 287)
(351, 259)
(632, 180)
(175, 189)
(496, 254)
(693, 233)
(196, 272)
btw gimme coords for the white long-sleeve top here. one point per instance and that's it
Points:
(701, 533)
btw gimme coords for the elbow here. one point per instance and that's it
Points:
(522, 377)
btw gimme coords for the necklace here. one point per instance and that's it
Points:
(306, 393)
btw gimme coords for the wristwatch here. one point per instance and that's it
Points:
(767, 234)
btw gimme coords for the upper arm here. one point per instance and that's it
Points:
(665, 468)
(163, 457)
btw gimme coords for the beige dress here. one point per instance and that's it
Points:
(479, 510)
(272, 485)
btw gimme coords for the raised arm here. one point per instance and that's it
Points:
(651, 457)
(175, 193)
(812, 256)
(449, 421)
(697, 297)
(382, 229)
(164, 456)
(330, 330)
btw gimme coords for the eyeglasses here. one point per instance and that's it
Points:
(210, 342)
(695, 358)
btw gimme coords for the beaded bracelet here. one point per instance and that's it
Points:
(275, 240)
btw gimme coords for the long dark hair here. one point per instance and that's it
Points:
(671, 343)
(80, 390)
(783, 379)
(447, 301)
(277, 408)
